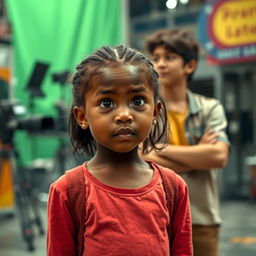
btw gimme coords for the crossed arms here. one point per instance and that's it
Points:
(209, 153)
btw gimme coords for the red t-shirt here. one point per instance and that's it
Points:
(120, 221)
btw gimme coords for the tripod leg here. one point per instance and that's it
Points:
(23, 209)
(25, 220)
(35, 207)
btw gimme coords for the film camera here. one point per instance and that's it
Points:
(13, 117)
(13, 113)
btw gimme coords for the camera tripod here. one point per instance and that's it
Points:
(26, 201)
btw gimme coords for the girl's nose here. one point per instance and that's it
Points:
(124, 116)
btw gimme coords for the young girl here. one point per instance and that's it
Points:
(116, 108)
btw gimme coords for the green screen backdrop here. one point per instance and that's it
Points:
(60, 33)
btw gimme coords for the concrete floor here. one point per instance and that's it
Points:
(238, 233)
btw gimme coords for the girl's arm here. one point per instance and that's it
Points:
(182, 223)
(60, 230)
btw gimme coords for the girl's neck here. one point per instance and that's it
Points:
(123, 170)
(105, 158)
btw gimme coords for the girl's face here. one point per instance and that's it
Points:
(119, 108)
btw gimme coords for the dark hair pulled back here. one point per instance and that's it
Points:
(82, 140)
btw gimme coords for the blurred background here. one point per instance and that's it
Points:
(40, 44)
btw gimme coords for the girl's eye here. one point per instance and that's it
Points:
(138, 101)
(106, 103)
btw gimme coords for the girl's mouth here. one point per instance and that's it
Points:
(124, 132)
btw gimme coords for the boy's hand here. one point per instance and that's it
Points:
(209, 137)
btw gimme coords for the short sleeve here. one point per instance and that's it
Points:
(60, 228)
(216, 120)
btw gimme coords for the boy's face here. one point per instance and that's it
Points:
(119, 108)
(170, 67)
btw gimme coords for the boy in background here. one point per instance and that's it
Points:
(198, 144)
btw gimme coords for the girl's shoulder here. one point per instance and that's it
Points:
(70, 178)
(170, 175)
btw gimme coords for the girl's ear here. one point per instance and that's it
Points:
(190, 66)
(79, 114)
(157, 109)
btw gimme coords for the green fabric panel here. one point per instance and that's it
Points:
(61, 33)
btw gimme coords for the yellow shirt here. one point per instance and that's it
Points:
(177, 126)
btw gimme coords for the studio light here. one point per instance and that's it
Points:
(171, 4)
(184, 1)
